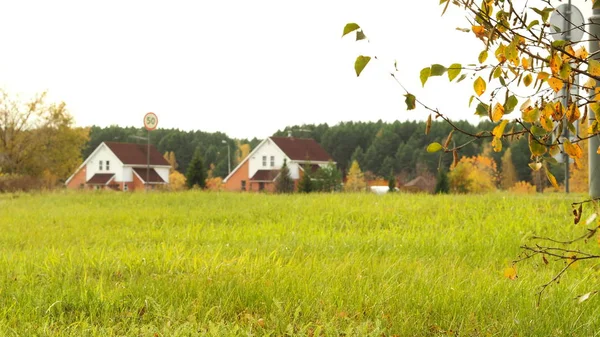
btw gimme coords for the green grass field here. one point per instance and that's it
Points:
(194, 263)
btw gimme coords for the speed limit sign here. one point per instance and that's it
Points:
(150, 121)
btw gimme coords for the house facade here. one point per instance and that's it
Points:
(259, 170)
(121, 166)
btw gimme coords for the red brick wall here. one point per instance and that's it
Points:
(234, 183)
(78, 179)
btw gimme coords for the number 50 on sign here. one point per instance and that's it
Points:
(150, 121)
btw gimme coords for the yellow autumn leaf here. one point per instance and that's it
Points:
(552, 179)
(500, 53)
(548, 110)
(479, 31)
(555, 83)
(555, 64)
(479, 86)
(510, 273)
(598, 151)
(546, 123)
(589, 84)
(498, 112)
(543, 75)
(566, 56)
(594, 67)
(573, 150)
(527, 80)
(573, 113)
(525, 63)
(582, 53)
(559, 111)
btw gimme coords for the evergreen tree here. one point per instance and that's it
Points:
(305, 184)
(442, 185)
(328, 178)
(392, 182)
(196, 172)
(284, 182)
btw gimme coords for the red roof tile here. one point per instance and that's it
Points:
(265, 175)
(301, 148)
(136, 154)
(153, 175)
(100, 178)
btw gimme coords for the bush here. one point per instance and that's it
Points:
(10, 183)
(522, 187)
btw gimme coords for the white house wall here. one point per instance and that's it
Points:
(163, 173)
(127, 174)
(267, 149)
(104, 154)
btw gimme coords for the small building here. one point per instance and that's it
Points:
(419, 185)
(259, 170)
(121, 166)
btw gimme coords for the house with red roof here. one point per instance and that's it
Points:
(121, 166)
(259, 170)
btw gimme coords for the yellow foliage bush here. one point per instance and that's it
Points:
(176, 181)
(473, 175)
(522, 187)
(214, 184)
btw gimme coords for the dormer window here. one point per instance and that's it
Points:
(100, 165)
(264, 161)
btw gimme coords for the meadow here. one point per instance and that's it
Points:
(229, 264)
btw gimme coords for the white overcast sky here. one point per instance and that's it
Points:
(246, 68)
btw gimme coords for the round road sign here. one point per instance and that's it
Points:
(561, 27)
(150, 121)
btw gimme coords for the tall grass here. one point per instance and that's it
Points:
(194, 263)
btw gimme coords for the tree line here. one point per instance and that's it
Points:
(381, 149)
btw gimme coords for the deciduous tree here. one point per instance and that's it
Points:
(355, 180)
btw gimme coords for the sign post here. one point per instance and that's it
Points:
(150, 123)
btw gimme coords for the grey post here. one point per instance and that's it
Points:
(148, 163)
(228, 157)
(566, 93)
(594, 142)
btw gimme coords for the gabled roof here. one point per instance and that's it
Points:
(298, 149)
(265, 175)
(153, 176)
(136, 154)
(301, 148)
(100, 179)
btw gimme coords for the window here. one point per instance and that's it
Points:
(264, 160)
(100, 165)
(272, 161)
(243, 185)
(125, 187)
(107, 165)
(261, 186)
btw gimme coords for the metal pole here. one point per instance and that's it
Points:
(566, 92)
(228, 160)
(148, 163)
(594, 142)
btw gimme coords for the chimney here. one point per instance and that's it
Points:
(290, 133)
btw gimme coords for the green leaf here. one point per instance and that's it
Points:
(434, 147)
(535, 147)
(596, 4)
(532, 24)
(461, 78)
(482, 110)
(531, 115)
(437, 70)
(361, 63)
(565, 71)
(510, 104)
(454, 71)
(349, 28)
(594, 67)
(497, 72)
(483, 56)
(410, 101)
(425, 73)
(360, 35)
(544, 13)
(559, 43)
(527, 80)
(538, 131)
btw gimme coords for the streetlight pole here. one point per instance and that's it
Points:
(228, 157)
